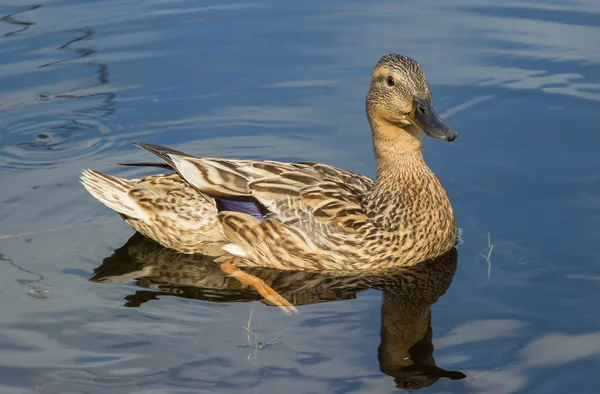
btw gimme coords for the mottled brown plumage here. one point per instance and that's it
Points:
(405, 351)
(317, 217)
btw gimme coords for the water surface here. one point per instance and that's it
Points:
(80, 80)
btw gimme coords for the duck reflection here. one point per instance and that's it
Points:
(406, 350)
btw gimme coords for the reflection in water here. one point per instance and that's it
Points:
(21, 25)
(38, 288)
(103, 110)
(406, 349)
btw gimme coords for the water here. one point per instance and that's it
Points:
(82, 79)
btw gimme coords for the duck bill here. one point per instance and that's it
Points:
(425, 117)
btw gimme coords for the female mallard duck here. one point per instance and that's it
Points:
(303, 215)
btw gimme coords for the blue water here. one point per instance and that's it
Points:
(80, 80)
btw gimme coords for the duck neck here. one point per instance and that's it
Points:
(398, 151)
(405, 184)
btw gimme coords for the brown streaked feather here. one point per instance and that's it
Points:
(161, 151)
(112, 192)
(280, 187)
(269, 242)
(162, 207)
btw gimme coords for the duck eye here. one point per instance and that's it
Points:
(390, 81)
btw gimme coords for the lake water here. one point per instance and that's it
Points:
(80, 80)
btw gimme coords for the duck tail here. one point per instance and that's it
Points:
(112, 192)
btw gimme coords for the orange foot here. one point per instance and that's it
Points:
(267, 292)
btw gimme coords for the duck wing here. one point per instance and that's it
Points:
(267, 206)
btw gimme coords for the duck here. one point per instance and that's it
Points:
(302, 215)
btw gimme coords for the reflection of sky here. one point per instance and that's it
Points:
(519, 81)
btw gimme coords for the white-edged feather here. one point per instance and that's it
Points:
(112, 192)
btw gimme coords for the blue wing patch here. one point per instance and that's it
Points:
(248, 206)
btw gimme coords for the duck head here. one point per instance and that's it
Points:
(399, 100)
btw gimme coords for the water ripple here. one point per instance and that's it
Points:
(47, 143)
(70, 114)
